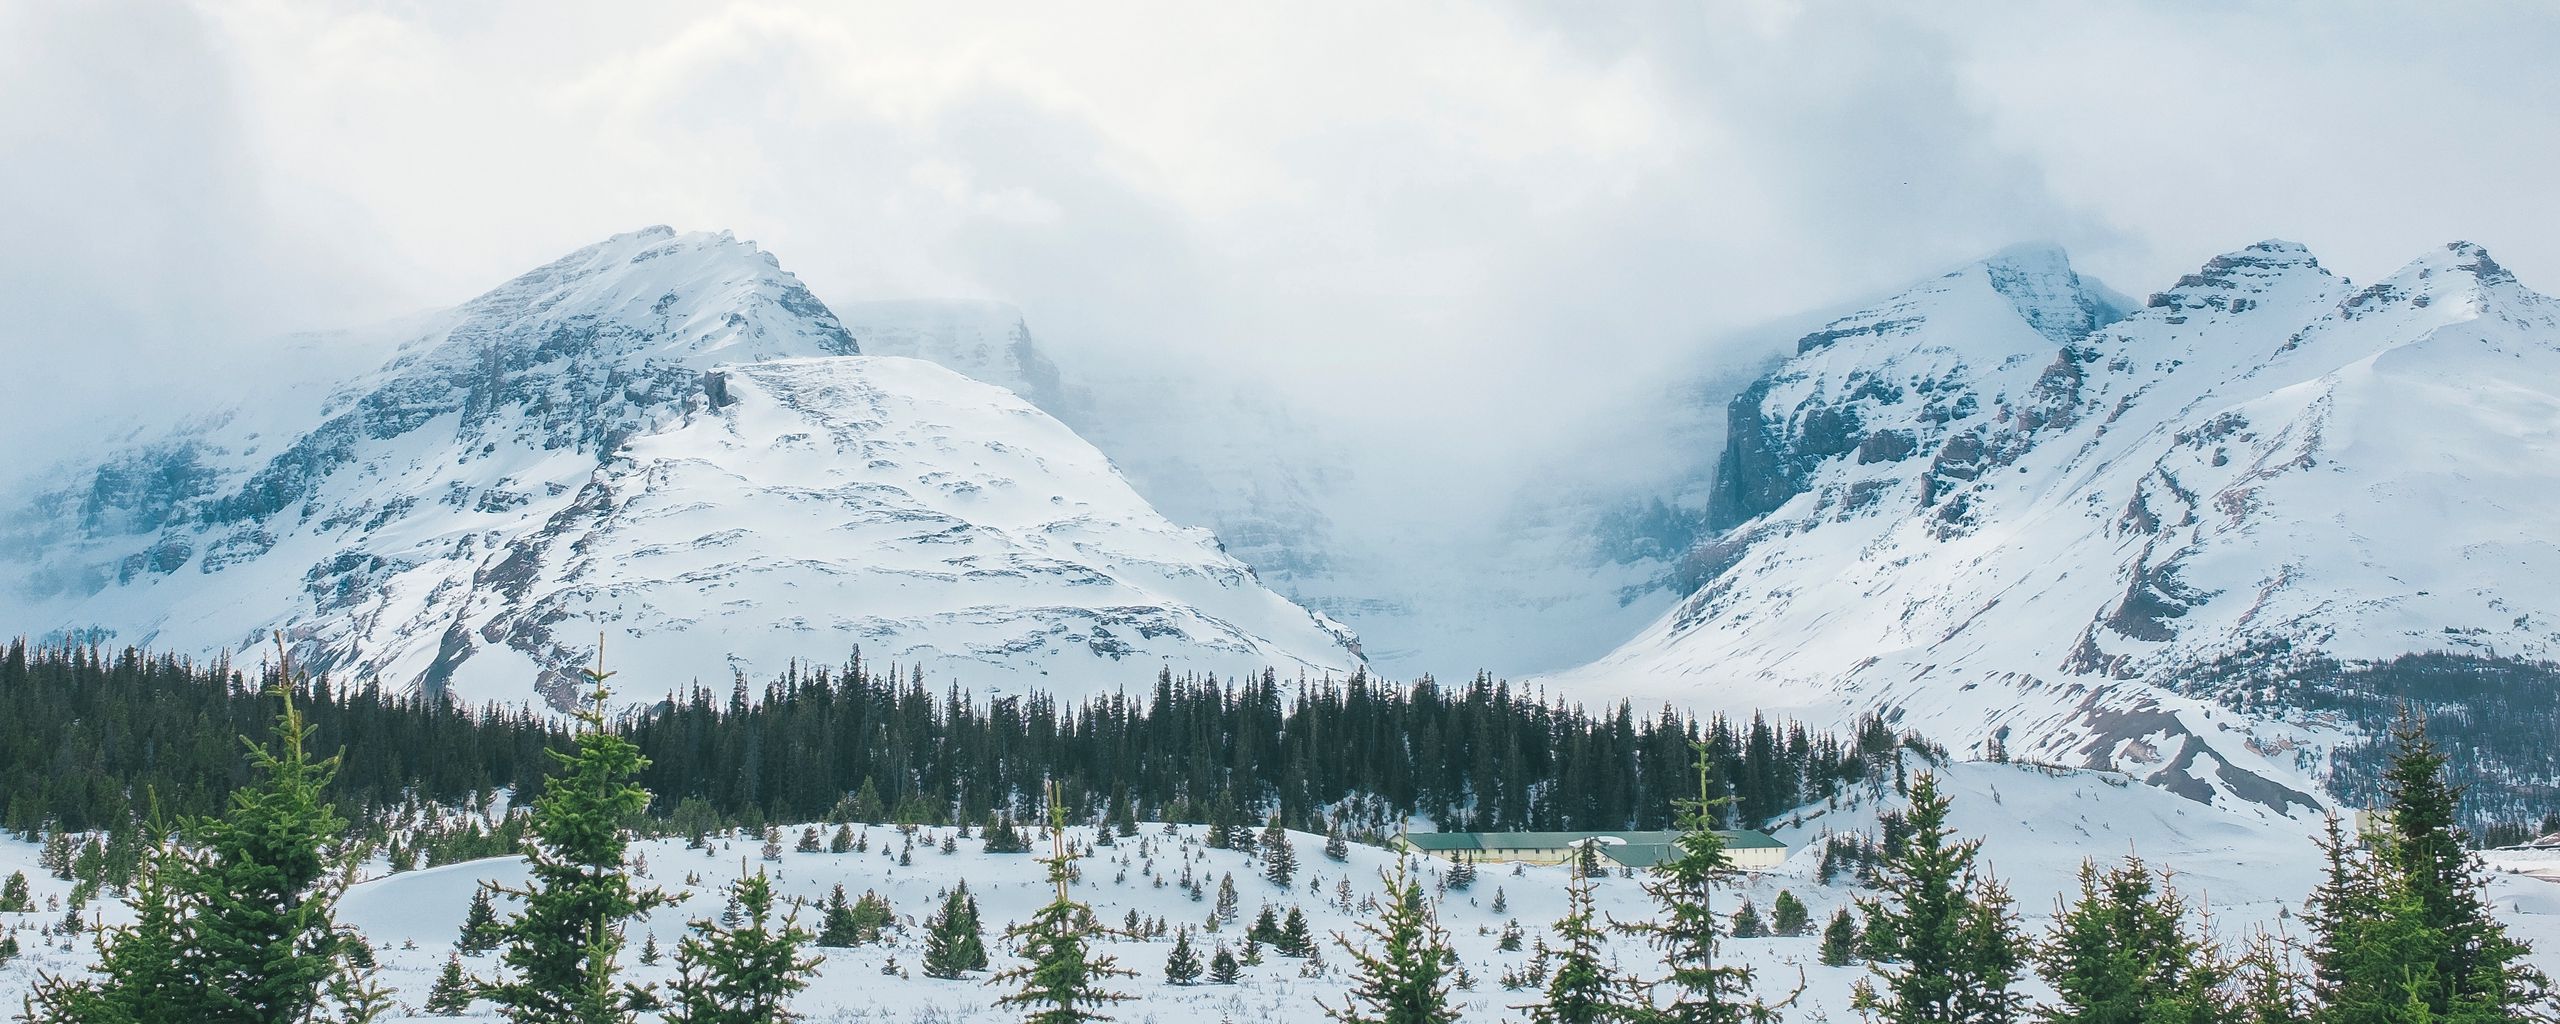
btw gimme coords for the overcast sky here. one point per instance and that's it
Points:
(1467, 207)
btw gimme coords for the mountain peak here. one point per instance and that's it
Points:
(656, 293)
(2039, 282)
(2460, 257)
(2238, 275)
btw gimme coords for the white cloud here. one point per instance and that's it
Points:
(1418, 218)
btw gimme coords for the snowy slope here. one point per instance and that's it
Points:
(1983, 507)
(667, 439)
(2244, 866)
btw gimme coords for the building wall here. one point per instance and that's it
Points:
(1759, 858)
(1747, 858)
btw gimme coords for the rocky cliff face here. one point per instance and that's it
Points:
(1994, 510)
(666, 439)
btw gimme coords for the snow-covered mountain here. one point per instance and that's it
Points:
(664, 438)
(2186, 541)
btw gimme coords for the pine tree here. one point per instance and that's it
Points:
(480, 932)
(560, 948)
(745, 974)
(1061, 982)
(1583, 989)
(450, 996)
(2479, 971)
(842, 841)
(1683, 887)
(2266, 987)
(139, 979)
(13, 895)
(261, 940)
(1336, 848)
(1789, 916)
(1279, 856)
(954, 942)
(1943, 942)
(2126, 951)
(1746, 922)
(1222, 967)
(1840, 940)
(1182, 966)
(1295, 939)
(1227, 898)
(1406, 979)
(867, 808)
(2401, 931)
(649, 955)
(836, 926)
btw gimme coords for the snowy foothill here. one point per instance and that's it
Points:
(2248, 868)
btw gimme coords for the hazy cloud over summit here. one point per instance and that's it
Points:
(1417, 219)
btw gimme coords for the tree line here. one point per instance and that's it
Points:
(93, 742)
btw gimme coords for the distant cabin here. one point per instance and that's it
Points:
(1751, 850)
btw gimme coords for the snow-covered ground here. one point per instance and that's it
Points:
(2247, 867)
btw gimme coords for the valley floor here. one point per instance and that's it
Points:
(2037, 824)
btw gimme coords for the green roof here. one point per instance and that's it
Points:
(1639, 855)
(1449, 842)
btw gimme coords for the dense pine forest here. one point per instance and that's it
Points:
(92, 740)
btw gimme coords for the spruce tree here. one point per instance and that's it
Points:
(13, 895)
(1182, 965)
(1583, 988)
(954, 942)
(743, 974)
(1222, 967)
(1683, 887)
(1747, 923)
(2126, 951)
(867, 808)
(1295, 939)
(559, 949)
(1279, 856)
(2400, 929)
(1406, 978)
(261, 940)
(1788, 916)
(1226, 906)
(480, 932)
(450, 996)
(1942, 940)
(139, 980)
(1336, 848)
(2479, 971)
(1840, 940)
(1062, 980)
(836, 926)
(2266, 987)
